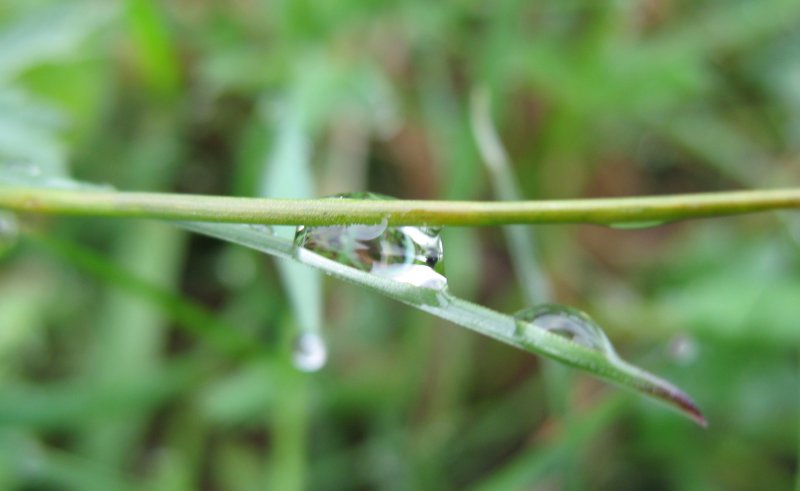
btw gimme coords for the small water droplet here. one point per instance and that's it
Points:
(412, 255)
(309, 353)
(579, 328)
(636, 225)
(9, 231)
(567, 322)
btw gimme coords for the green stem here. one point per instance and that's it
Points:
(608, 211)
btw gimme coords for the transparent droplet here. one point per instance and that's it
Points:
(309, 352)
(9, 231)
(407, 254)
(579, 328)
(567, 322)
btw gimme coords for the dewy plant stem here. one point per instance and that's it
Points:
(604, 211)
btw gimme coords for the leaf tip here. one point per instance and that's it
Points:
(680, 401)
(690, 409)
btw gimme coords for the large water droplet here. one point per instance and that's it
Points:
(9, 231)
(411, 255)
(309, 353)
(567, 322)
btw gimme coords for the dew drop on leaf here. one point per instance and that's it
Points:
(309, 352)
(407, 254)
(579, 328)
(567, 322)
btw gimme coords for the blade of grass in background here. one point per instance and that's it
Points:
(30, 130)
(520, 238)
(131, 334)
(154, 47)
(131, 331)
(533, 464)
(521, 243)
(286, 174)
(188, 315)
(53, 32)
(49, 467)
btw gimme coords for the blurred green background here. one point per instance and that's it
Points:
(115, 371)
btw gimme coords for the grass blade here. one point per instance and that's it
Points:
(441, 303)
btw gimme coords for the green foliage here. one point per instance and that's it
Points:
(133, 356)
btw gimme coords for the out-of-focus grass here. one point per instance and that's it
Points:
(101, 387)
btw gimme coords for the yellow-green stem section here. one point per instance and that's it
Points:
(607, 211)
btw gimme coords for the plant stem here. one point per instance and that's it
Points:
(608, 211)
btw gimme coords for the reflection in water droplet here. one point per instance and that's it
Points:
(566, 322)
(309, 353)
(411, 255)
(9, 231)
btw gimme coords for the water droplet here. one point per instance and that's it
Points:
(636, 225)
(9, 231)
(566, 322)
(580, 329)
(411, 255)
(309, 353)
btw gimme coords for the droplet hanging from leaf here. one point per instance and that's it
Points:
(309, 353)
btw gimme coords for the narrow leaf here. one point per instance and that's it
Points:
(443, 304)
